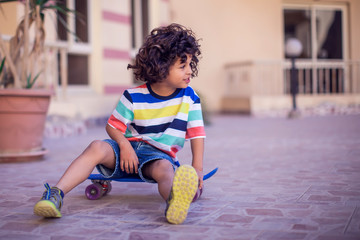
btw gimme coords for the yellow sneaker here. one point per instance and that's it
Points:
(185, 185)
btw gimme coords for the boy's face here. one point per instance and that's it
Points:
(179, 74)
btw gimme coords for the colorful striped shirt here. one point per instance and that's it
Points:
(163, 122)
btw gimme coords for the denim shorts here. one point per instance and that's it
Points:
(145, 153)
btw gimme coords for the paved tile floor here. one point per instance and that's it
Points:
(277, 179)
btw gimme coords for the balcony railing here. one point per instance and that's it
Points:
(273, 78)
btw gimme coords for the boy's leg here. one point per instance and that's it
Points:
(162, 172)
(98, 152)
(177, 189)
(185, 185)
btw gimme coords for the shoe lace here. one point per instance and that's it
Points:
(53, 195)
(48, 191)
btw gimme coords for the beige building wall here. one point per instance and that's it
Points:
(116, 41)
(231, 31)
(9, 16)
(110, 44)
(251, 32)
(111, 51)
(95, 59)
(354, 39)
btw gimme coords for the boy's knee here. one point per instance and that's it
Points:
(101, 153)
(98, 147)
(164, 168)
(164, 165)
(96, 144)
(159, 170)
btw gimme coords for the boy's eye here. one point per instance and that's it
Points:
(182, 66)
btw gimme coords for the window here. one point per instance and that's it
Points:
(76, 34)
(140, 22)
(320, 29)
(329, 34)
(140, 26)
(325, 24)
(297, 23)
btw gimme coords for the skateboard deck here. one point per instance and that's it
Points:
(101, 186)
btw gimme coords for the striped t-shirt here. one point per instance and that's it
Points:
(163, 122)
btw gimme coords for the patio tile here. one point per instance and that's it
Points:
(264, 212)
(277, 179)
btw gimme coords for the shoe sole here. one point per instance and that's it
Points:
(185, 185)
(46, 209)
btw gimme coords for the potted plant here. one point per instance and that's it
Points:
(24, 101)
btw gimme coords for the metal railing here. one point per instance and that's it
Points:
(273, 77)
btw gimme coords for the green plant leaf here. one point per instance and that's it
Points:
(40, 2)
(6, 1)
(42, 16)
(30, 83)
(65, 25)
(2, 64)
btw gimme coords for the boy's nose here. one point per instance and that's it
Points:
(188, 70)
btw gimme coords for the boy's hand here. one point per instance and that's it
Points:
(200, 175)
(128, 160)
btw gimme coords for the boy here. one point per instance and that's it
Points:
(148, 127)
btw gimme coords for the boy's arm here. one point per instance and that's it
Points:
(128, 159)
(197, 149)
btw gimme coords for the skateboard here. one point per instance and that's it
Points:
(101, 186)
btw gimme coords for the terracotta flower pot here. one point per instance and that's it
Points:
(22, 121)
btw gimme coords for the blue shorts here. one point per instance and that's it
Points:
(145, 153)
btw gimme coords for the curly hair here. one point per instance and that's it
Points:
(161, 49)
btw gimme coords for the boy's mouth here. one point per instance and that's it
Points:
(187, 80)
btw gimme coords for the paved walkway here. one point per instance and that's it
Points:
(277, 179)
